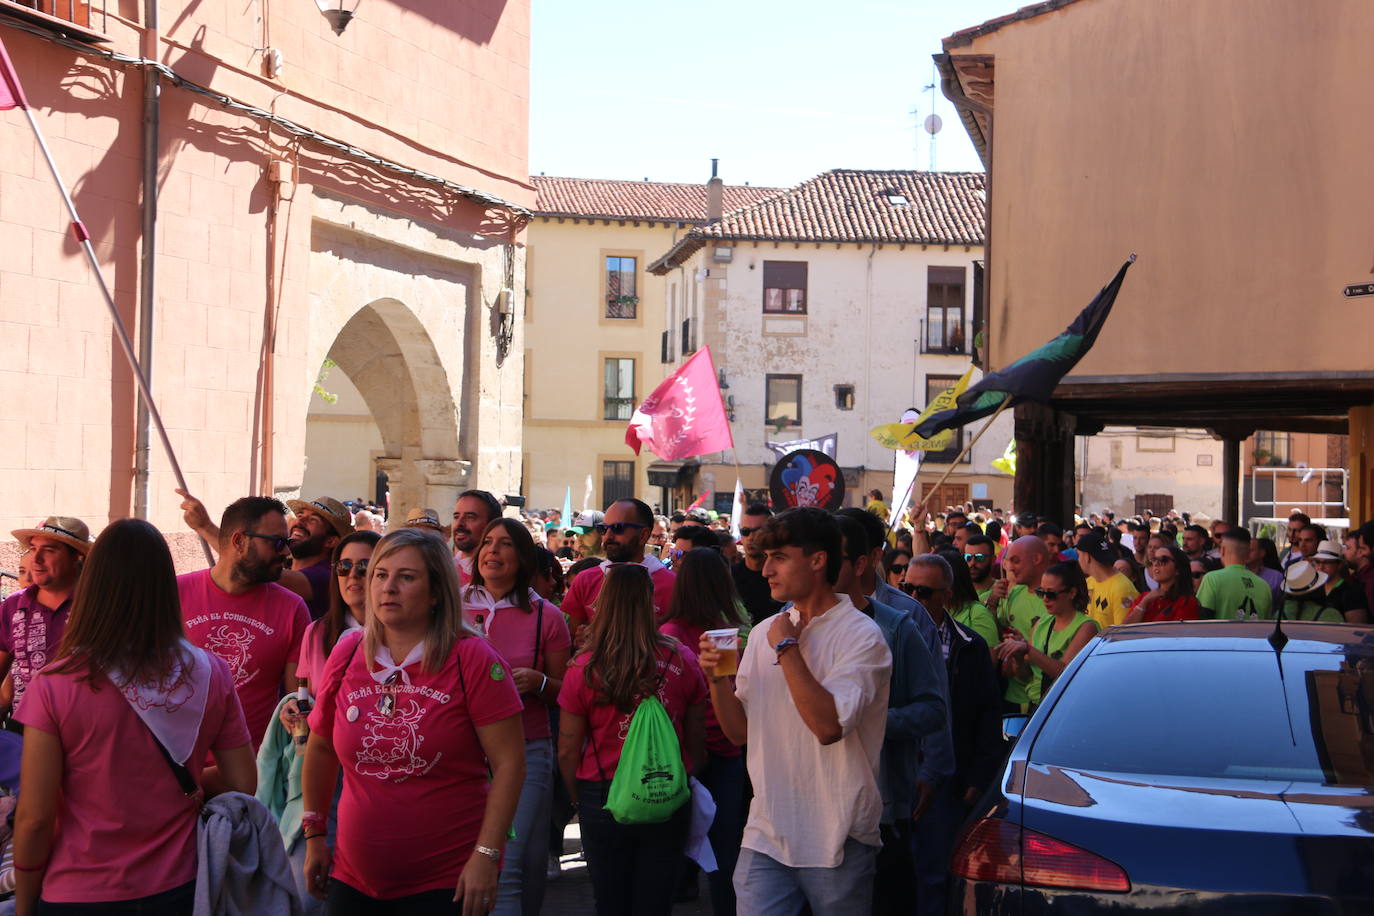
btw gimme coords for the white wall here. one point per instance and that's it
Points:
(1185, 463)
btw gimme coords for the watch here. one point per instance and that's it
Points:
(493, 854)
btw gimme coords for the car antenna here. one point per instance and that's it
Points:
(1278, 639)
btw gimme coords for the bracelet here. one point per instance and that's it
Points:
(18, 867)
(545, 684)
(311, 836)
(782, 647)
(489, 852)
(313, 820)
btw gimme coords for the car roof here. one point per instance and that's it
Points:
(1234, 636)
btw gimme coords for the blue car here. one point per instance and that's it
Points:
(1187, 768)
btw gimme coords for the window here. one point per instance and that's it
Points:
(665, 347)
(934, 385)
(944, 324)
(617, 481)
(620, 388)
(1154, 440)
(622, 296)
(844, 397)
(1157, 504)
(784, 287)
(1272, 449)
(784, 401)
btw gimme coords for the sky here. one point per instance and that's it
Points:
(778, 91)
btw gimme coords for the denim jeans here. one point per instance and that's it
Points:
(634, 867)
(766, 887)
(723, 777)
(521, 888)
(932, 844)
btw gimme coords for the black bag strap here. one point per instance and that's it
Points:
(183, 776)
(538, 634)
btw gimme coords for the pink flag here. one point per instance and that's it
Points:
(684, 417)
(11, 93)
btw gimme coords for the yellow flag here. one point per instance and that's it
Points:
(902, 436)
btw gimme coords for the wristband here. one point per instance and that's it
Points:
(312, 820)
(312, 836)
(782, 647)
(544, 684)
(489, 852)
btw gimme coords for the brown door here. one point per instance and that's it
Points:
(950, 494)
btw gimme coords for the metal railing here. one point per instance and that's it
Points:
(949, 339)
(77, 12)
(1305, 477)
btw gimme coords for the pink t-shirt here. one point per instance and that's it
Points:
(257, 633)
(716, 742)
(681, 688)
(511, 632)
(578, 604)
(124, 828)
(313, 657)
(415, 782)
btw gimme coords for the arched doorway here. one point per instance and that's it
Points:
(394, 412)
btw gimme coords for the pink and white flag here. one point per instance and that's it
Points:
(11, 93)
(685, 416)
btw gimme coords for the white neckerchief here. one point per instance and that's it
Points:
(351, 623)
(173, 709)
(387, 667)
(652, 563)
(479, 603)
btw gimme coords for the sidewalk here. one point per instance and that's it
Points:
(570, 894)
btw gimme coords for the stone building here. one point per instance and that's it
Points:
(359, 197)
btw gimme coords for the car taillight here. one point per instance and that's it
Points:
(998, 850)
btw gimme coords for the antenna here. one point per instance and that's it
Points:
(932, 123)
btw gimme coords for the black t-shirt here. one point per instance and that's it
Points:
(754, 592)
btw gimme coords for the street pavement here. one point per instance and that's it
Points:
(570, 894)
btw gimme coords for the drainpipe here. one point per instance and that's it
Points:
(147, 291)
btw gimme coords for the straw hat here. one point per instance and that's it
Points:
(424, 518)
(328, 508)
(1327, 550)
(70, 531)
(1302, 577)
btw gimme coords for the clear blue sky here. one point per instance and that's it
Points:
(778, 91)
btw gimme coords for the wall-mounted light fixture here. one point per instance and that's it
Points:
(338, 12)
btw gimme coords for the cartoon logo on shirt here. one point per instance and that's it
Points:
(497, 672)
(391, 744)
(232, 646)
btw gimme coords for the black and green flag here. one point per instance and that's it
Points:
(1034, 376)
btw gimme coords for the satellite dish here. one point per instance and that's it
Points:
(933, 124)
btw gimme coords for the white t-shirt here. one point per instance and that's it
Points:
(809, 798)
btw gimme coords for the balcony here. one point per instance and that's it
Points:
(71, 16)
(943, 337)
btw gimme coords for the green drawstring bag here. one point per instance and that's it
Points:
(650, 782)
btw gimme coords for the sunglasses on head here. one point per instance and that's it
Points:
(922, 592)
(278, 542)
(616, 528)
(1051, 593)
(345, 568)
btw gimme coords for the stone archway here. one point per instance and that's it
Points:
(390, 358)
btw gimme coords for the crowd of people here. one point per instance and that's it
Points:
(805, 706)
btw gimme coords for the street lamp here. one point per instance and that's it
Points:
(338, 12)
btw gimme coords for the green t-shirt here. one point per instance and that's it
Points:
(1306, 609)
(1053, 642)
(1108, 602)
(1235, 593)
(980, 620)
(1021, 609)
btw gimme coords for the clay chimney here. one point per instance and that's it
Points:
(715, 194)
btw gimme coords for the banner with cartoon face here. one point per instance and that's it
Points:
(807, 477)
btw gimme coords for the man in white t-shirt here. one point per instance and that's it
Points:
(810, 701)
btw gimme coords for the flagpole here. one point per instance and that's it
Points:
(1006, 402)
(83, 236)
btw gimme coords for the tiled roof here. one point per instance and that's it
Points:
(966, 36)
(606, 199)
(851, 205)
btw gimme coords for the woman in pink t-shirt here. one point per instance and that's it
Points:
(633, 868)
(347, 605)
(102, 818)
(532, 636)
(704, 598)
(416, 709)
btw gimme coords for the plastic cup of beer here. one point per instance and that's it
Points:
(726, 642)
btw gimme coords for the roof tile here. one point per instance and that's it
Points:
(608, 199)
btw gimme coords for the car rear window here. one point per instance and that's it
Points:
(1216, 715)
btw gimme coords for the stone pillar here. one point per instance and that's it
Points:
(394, 482)
(1045, 462)
(1361, 495)
(444, 479)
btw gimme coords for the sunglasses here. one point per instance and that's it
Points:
(1161, 561)
(278, 542)
(616, 528)
(896, 569)
(922, 592)
(387, 704)
(979, 557)
(1050, 593)
(745, 532)
(1198, 575)
(345, 568)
